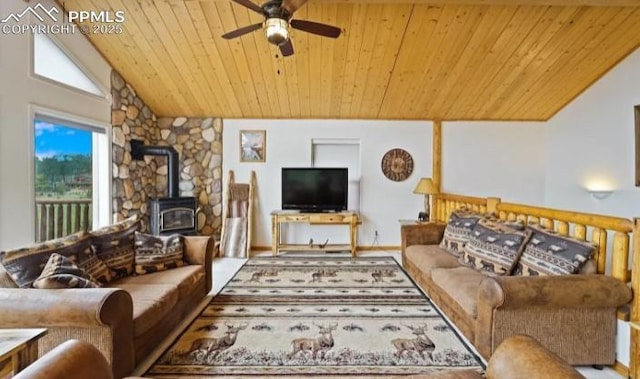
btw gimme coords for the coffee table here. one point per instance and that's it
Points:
(18, 349)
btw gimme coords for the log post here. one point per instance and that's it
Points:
(599, 237)
(620, 259)
(492, 204)
(563, 228)
(634, 363)
(436, 161)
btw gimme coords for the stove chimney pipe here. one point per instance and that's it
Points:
(139, 150)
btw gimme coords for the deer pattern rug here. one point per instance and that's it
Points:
(317, 316)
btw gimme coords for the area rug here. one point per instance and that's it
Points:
(316, 316)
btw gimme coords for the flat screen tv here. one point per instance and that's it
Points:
(315, 189)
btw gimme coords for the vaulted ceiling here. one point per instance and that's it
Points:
(449, 60)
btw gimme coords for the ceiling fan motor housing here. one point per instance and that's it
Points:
(273, 9)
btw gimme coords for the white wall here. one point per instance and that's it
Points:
(591, 142)
(497, 159)
(18, 91)
(382, 202)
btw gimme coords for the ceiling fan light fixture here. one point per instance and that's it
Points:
(276, 30)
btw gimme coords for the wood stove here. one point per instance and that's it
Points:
(172, 214)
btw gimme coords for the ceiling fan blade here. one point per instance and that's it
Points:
(246, 3)
(242, 31)
(286, 48)
(292, 5)
(316, 28)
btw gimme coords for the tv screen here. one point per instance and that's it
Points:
(315, 189)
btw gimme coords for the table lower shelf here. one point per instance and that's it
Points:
(330, 247)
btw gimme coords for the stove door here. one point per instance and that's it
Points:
(177, 219)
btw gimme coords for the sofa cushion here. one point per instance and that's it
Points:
(157, 253)
(428, 257)
(114, 245)
(548, 253)
(494, 247)
(25, 265)
(188, 279)
(457, 231)
(461, 284)
(61, 272)
(151, 303)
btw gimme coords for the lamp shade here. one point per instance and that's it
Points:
(276, 30)
(426, 187)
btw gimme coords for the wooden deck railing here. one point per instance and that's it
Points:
(58, 218)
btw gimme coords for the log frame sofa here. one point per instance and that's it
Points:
(573, 315)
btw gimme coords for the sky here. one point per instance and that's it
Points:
(54, 139)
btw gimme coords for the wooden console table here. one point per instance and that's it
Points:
(339, 218)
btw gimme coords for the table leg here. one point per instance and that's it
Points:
(275, 235)
(28, 355)
(354, 235)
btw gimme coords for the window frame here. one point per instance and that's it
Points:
(102, 179)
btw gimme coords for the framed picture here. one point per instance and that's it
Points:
(253, 145)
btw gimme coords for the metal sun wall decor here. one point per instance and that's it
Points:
(397, 165)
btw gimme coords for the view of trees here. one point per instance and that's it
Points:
(64, 176)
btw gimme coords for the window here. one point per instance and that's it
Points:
(71, 177)
(51, 62)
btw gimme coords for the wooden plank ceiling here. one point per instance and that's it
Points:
(449, 60)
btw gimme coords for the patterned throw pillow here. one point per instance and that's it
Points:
(548, 253)
(26, 264)
(513, 224)
(96, 268)
(115, 246)
(494, 247)
(61, 272)
(457, 231)
(158, 253)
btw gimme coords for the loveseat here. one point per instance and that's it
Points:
(573, 315)
(128, 314)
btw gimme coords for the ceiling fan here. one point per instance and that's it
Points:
(278, 14)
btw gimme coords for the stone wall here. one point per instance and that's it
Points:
(134, 182)
(198, 142)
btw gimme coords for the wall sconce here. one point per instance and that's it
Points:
(426, 187)
(600, 194)
(600, 187)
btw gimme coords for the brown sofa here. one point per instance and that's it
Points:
(125, 320)
(572, 315)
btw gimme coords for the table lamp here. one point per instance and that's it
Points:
(426, 187)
